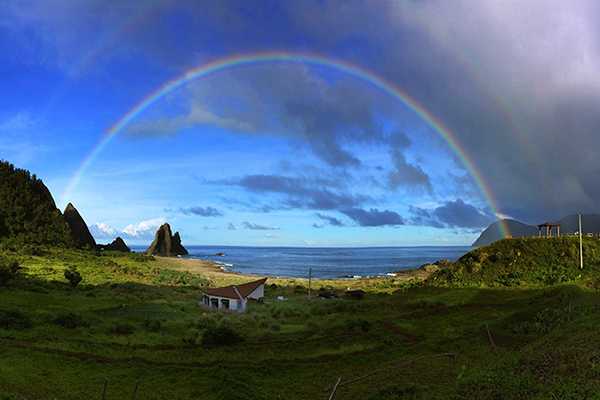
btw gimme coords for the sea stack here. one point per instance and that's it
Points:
(117, 245)
(165, 244)
(80, 230)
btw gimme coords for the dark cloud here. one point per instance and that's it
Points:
(231, 227)
(257, 227)
(458, 214)
(399, 140)
(330, 220)
(422, 217)
(202, 211)
(374, 217)
(407, 175)
(301, 192)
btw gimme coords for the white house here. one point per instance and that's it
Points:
(234, 297)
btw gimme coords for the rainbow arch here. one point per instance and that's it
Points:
(277, 57)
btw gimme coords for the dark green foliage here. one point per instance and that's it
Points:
(28, 214)
(14, 319)
(393, 392)
(299, 289)
(152, 325)
(205, 323)
(73, 276)
(357, 324)
(120, 328)
(221, 335)
(70, 320)
(9, 269)
(9, 396)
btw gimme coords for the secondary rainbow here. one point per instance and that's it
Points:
(264, 58)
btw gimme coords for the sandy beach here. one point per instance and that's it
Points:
(219, 277)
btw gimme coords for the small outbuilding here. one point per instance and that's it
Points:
(548, 226)
(234, 297)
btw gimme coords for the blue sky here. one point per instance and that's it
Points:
(296, 153)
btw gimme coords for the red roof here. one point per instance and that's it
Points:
(228, 291)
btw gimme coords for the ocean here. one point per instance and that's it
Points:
(326, 262)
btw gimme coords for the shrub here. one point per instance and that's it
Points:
(221, 335)
(299, 289)
(14, 320)
(70, 320)
(191, 336)
(357, 324)
(9, 269)
(73, 276)
(152, 325)
(120, 328)
(264, 335)
(205, 323)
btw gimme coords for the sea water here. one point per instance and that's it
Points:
(325, 262)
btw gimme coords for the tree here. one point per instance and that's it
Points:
(9, 269)
(73, 276)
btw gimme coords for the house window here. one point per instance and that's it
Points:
(214, 302)
(225, 303)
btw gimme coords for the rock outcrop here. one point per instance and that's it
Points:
(117, 245)
(436, 265)
(79, 229)
(176, 246)
(165, 244)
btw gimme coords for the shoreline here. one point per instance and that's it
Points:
(213, 271)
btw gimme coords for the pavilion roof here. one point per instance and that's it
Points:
(548, 224)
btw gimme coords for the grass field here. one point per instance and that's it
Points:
(136, 319)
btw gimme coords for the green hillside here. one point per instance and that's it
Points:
(512, 262)
(131, 319)
(28, 213)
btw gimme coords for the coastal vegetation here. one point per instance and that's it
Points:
(136, 318)
(516, 319)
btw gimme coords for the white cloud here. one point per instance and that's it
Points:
(143, 230)
(102, 230)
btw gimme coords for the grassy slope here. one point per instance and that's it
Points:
(138, 321)
(512, 262)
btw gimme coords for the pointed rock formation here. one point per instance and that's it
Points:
(176, 246)
(117, 245)
(80, 230)
(165, 244)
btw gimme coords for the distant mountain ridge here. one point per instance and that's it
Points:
(590, 223)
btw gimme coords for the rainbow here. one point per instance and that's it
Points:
(264, 58)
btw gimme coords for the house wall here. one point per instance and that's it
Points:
(258, 292)
(234, 304)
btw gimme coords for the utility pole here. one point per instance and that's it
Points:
(580, 245)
